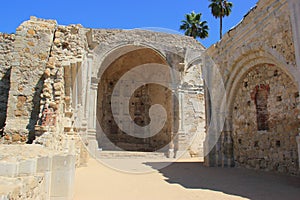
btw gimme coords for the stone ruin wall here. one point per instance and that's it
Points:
(36, 85)
(259, 52)
(273, 147)
(46, 60)
(43, 68)
(266, 28)
(6, 58)
(194, 110)
(175, 52)
(32, 47)
(30, 80)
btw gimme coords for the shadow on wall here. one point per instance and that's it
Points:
(34, 116)
(4, 91)
(233, 181)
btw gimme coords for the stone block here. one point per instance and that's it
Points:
(92, 147)
(27, 167)
(47, 183)
(62, 177)
(44, 164)
(8, 169)
(62, 184)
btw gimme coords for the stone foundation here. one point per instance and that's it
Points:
(22, 188)
(34, 172)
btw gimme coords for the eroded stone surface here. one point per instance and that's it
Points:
(272, 146)
(6, 58)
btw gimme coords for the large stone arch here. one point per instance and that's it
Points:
(107, 56)
(109, 134)
(174, 51)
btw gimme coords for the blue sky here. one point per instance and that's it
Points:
(123, 14)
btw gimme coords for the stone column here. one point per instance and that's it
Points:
(294, 6)
(181, 139)
(92, 118)
(88, 76)
(209, 152)
(83, 79)
(227, 144)
(181, 115)
(215, 115)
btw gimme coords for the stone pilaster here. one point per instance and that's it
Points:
(227, 144)
(294, 6)
(92, 117)
(180, 140)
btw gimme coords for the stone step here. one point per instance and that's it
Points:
(129, 154)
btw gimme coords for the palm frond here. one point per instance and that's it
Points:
(193, 26)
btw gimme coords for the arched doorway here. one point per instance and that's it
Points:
(110, 136)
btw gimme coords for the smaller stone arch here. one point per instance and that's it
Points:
(247, 58)
(107, 57)
(264, 116)
(252, 56)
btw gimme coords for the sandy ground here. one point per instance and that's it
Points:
(182, 180)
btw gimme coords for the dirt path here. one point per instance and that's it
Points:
(183, 181)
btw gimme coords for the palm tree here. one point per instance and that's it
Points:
(220, 9)
(193, 26)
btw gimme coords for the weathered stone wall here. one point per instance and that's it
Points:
(59, 104)
(6, 58)
(264, 38)
(274, 146)
(294, 6)
(37, 104)
(56, 69)
(266, 28)
(193, 110)
(32, 47)
(22, 188)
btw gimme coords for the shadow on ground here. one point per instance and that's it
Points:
(234, 181)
